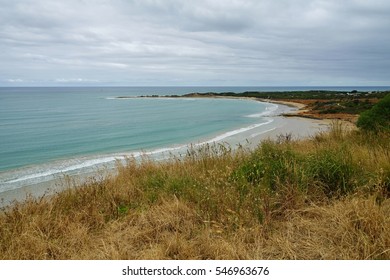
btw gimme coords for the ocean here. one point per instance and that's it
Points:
(47, 133)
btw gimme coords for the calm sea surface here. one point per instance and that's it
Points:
(48, 131)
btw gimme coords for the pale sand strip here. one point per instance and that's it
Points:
(297, 105)
(298, 128)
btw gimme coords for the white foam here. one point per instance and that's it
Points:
(235, 132)
(255, 115)
(47, 172)
(59, 170)
(268, 111)
(163, 150)
(43, 173)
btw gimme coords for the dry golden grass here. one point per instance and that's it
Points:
(320, 198)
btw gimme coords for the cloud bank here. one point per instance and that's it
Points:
(205, 42)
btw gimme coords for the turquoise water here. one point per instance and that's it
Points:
(40, 125)
(48, 131)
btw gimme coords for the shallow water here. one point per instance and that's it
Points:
(51, 132)
(46, 133)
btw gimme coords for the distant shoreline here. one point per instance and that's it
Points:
(250, 136)
(300, 122)
(302, 100)
(302, 111)
(294, 122)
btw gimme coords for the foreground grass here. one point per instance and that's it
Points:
(322, 198)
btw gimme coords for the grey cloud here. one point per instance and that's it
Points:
(194, 42)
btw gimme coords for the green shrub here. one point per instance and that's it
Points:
(272, 165)
(333, 171)
(377, 118)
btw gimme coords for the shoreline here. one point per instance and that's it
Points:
(302, 108)
(304, 113)
(250, 137)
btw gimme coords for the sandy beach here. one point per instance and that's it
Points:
(278, 125)
(281, 125)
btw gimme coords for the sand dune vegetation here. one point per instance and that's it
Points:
(326, 197)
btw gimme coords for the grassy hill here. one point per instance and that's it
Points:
(326, 197)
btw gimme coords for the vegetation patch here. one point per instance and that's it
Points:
(377, 118)
(326, 197)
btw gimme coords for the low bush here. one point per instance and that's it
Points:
(377, 118)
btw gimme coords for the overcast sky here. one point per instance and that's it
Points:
(203, 42)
